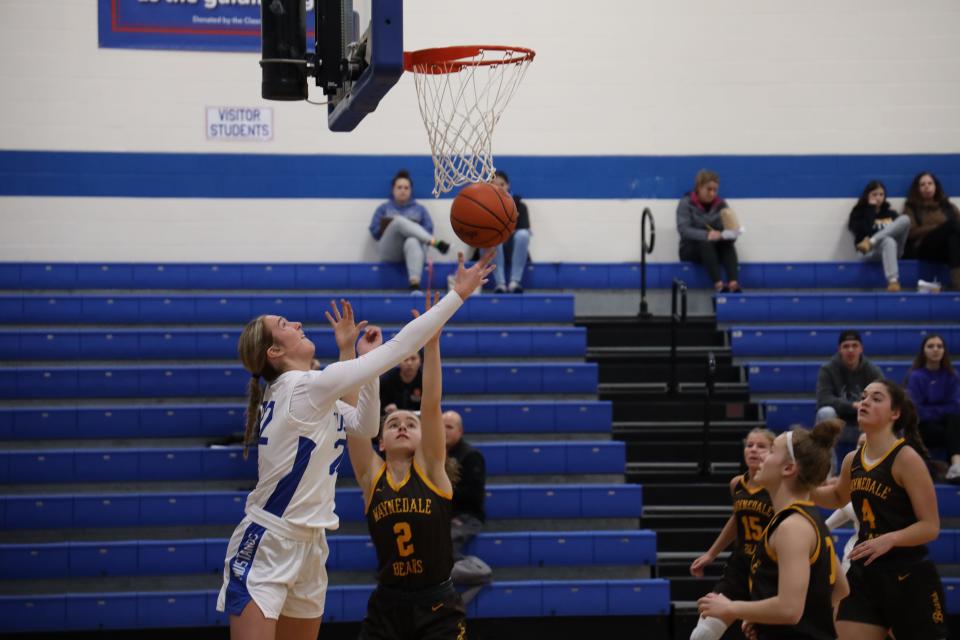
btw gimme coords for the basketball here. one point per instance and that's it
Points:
(483, 215)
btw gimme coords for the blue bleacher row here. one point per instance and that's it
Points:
(347, 553)
(140, 509)
(372, 276)
(165, 381)
(801, 377)
(529, 598)
(217, 420)
(821, 340)
(850, 308)
(221, 343)
(43, 466)
(782, 413)
(122, 308)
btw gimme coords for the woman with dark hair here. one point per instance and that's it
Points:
(934, 387)
(935, 225)
(794, 580)
(893, 586)
(703, 239)
(403, 229)
(879, 233)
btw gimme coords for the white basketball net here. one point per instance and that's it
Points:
(461, 102)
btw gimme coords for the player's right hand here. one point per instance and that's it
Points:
(469, 280)
(698, 565)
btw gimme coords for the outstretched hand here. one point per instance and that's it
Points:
(370, 340)
(469, 280)
(345, 330)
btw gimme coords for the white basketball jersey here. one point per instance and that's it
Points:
(299, 452)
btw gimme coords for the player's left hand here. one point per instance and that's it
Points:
(371, 339)
(871, 549)
(345, 331)
(715, 605)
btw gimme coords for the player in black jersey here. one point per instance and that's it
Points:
(409, 504)
(794, 574)
(752, 509)
(893, 585)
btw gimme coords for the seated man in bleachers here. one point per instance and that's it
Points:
(402, 387)
(470, 490)
(840, 383)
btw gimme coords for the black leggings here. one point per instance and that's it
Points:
(944, 433)
(711, 255)
(942, 244)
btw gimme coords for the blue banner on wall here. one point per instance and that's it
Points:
(203, 25)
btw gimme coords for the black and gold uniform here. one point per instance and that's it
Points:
(901, 589)
(752, 509)
(410, 527)
(817, 620)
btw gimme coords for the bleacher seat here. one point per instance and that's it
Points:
(347, 553)
(147, 609)
(49, 466)
(175, 380)
(133, 509)
(126, 308)
(801, 377)
(821, 340)
(850, 308)
(217, 420)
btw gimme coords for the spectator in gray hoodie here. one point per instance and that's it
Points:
(841, 382)
(703, 239)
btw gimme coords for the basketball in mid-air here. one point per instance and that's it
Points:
(483, 215)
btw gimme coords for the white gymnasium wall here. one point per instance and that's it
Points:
(614, 77)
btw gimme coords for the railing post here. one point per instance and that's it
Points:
(646, 246)
(707, 404)
(678, 290)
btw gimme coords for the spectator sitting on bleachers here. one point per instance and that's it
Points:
(934, 387)
(402, 387)
(935, 225)
(840, 383)
(469, 492)
(879, 233)
(703, 238)
(403, 228)
(517, 244)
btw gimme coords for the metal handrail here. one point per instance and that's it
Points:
(646, 246)
(678, 292)
(709, 378)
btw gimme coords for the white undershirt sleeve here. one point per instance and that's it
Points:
(337, 378)
(364, 420)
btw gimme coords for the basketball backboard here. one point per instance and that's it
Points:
(358, 55)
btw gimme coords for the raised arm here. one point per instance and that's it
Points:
(339, 377)
(835, 494)
(363, 459)
(433, 441)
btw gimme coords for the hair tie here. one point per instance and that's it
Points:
(793, 458)
(254, 376)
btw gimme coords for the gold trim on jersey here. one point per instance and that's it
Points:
(433, 487)
(746, 487)
(403, 483)
(816, 529)
(871, 467)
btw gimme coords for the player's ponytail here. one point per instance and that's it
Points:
(813, 451)
(252, 349)
(907, 425)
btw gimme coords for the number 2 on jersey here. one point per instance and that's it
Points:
(266, 415)
(752, 530)
(403, 533)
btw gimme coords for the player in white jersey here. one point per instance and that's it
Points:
(274, 576)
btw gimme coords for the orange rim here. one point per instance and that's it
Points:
(454, 59)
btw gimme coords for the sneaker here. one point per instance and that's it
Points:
(499, 289)
(415, 290)
(442, 246)
(515, 288)
(893, 286)
(953, 473)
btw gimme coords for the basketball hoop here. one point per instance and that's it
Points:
(462, 92)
